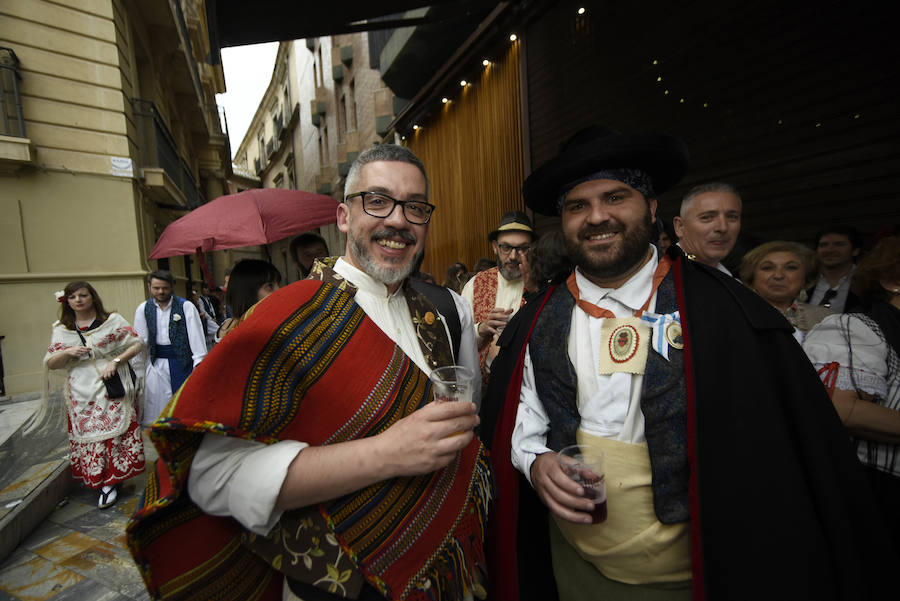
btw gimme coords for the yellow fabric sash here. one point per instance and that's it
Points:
(631, 546)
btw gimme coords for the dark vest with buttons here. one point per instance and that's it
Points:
(663, 398)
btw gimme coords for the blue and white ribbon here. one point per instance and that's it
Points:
(659, 323)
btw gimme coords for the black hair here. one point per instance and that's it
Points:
(247, 276)
(845, 230)
(161, 274)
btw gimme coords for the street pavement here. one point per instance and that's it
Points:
(77, 552)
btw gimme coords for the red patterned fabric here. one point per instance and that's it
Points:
(484, 293)
(307, 364)
(110, 461)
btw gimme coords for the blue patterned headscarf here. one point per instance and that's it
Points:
(635, 178)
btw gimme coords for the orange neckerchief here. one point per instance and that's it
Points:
(594, 311)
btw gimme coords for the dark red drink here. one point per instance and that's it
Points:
(599, 513)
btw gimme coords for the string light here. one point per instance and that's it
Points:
(512, 37)
(581, 11)
(463, 82)
(485, 62)
(445, 100)
(415, 128)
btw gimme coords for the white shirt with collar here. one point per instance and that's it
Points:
(839, 300)
(242, 479)
(719, 265)
(157, 378)
(610, 404)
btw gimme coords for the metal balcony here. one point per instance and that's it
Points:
(158, 151)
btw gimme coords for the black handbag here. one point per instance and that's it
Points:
(115, 388)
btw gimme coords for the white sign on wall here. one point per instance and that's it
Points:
(121, 166)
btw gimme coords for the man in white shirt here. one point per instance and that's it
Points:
(685, 380)
(382, 488)
(495, 294)
(173, 332)
(837, 248)
(709, 222)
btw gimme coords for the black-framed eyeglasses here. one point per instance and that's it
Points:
(506, 249)
(381, 205)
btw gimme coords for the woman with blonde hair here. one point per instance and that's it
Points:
(779, 271)
(101, 395)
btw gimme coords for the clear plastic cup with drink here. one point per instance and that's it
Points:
(585, 465)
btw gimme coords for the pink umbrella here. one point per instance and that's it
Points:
(255, 216)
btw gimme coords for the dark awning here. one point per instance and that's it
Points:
(234, 23)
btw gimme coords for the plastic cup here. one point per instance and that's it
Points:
(585, 465)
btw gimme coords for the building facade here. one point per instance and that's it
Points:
(110, 131)
(321, 108)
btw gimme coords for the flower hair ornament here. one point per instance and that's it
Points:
(60, 296)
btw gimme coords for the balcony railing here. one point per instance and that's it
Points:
(186, 44)
(12, 123)
(157, 149)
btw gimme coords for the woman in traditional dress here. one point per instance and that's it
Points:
(779, 271)
(857, 356)
(93, 346)
(251, 281)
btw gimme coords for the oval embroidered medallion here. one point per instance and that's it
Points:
(623, 343)
(673, 335)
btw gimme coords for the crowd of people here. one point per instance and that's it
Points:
(749, 421)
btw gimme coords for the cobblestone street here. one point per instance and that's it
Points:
(77, 552)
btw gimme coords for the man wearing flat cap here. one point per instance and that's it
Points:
(495, 294)
(727, 472)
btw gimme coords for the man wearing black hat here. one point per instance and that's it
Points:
(727, 472)
(496, 294)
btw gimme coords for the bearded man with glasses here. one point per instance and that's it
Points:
(312, 433)
(496, 294)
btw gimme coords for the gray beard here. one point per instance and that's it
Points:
(509, 274)
(386, 275)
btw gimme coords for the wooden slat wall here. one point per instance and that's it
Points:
(472, 150)
(801, 100)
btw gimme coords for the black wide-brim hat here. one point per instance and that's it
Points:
(595, 148)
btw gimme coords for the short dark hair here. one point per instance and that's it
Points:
(247, 276)
(484, 263)
(382, 152)
(550, 262)
(161, 274)
(844, 230)
(304, 240)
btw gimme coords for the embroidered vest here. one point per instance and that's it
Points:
(178, 336)
(663, 398)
